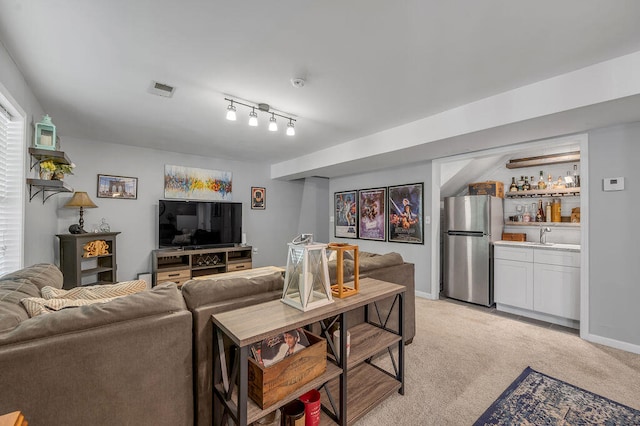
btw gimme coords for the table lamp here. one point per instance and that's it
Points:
(82, 200)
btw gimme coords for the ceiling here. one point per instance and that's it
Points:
(368, 65)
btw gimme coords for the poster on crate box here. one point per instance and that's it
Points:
(277, 348)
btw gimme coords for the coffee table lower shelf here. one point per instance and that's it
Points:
(367, 386)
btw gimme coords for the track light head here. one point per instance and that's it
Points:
(273, 126)
(231, 112)
(291, 131)
(253, 118)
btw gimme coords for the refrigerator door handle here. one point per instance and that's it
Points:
(467, 233)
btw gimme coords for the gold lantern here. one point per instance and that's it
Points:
(306, 280)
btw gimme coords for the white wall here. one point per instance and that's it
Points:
(419, 254)
(37, 215)
(314, 212)
(614, 270)
(267, 230)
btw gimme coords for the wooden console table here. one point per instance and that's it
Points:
(359, 384)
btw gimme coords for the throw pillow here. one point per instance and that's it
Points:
(95, 291)
(37, 306)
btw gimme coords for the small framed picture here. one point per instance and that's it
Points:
(258, 198)
(121, 187)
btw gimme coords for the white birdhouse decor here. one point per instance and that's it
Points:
(306, 280)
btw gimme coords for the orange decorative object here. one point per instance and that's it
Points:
(339, 290)
(95, 248)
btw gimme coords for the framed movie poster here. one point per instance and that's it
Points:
(258, 198)
(371, 213)
(406, 213)
(346, 214)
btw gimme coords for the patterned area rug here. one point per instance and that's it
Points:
(537, 399)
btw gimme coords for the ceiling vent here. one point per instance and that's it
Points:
(161, 89)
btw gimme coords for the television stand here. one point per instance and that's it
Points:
(179, 265)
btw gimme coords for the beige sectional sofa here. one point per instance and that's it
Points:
(142, 359)
(128, 361)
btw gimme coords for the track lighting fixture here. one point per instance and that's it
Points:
(253, 115)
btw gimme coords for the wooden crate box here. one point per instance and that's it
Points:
(268, 385)
(487, 188)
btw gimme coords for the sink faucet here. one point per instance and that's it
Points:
(543, 232)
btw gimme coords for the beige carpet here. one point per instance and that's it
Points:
(463, 357)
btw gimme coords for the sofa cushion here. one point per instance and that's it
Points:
(198, 293)
(369, 261)
(12, 312)
(37, 305)
(40, 275)
(54, 299)
(17, 285)
(159, 300)
(95, 291)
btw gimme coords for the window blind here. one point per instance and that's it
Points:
(11, 191)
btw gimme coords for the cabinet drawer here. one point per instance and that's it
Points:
(175, 276)
(238, 266)
(557, 257)
(521, 254)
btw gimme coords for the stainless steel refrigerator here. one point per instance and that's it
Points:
(472, 223)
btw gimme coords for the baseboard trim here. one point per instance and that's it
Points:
(424, 295)
(625, 346)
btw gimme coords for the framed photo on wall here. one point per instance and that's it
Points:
(371, 214)
(406, 214)
(258, 198)
(121, 187)
(345, 206)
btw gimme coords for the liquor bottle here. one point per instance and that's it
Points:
(532, 185)
(526, 186)
(540, 213)
(576, 176)
(521, 183)
(514, 186)
(541, 183)
(547, 212)
(526, 217)
(549, 182)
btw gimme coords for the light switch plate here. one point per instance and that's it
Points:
(613, 184)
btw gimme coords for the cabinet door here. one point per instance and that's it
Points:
(557, 290)
(513, 283)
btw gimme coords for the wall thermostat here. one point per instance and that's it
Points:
(613, 184)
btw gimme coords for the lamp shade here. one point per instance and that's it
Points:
(80, 199)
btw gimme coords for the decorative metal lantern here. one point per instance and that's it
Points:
(45, 135)
(306, 280)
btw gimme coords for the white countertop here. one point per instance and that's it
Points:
(532, 244)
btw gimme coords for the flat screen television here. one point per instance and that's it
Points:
(194, 224)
